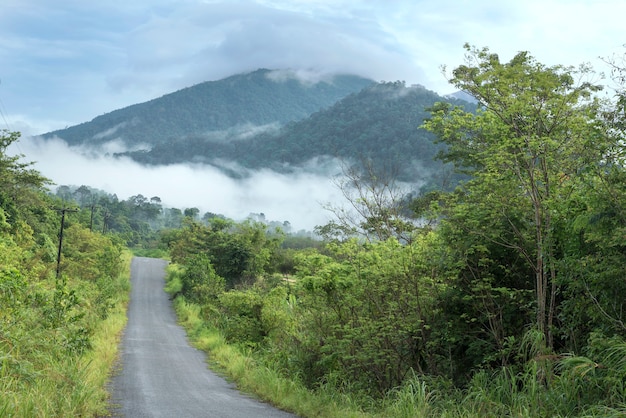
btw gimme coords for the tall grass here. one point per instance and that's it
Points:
(413, 399)
(40, 377)
(100, 361)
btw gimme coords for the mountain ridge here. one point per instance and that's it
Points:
(258, 97)
(253, 126)
(378, 126)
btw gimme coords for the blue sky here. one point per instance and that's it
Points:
(65, 62)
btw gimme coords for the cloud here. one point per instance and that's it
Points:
(304, 76)
(110, 131)
(76, 60)
(72, 60)
(298, 197)
(241, 132)
(208, 41)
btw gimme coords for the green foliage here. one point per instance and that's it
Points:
(90, 255)
(46, 329)
(173, 282)
(241, 321)
(12, 293)
(20, 186)
(239, 253)
(536, 130)
(592, 274)
(199, 282)
(362, 313)
(46, 325)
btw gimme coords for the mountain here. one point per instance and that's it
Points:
(264, 120)
(378, 125)
(263, 98)
(462, 95)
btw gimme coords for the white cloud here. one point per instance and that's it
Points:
(211, 41)
(297, 198)
(73, 60)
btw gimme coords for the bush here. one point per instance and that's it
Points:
(199, 281)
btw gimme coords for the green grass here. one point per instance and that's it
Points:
(173, 284)
(101, 360)
(40, 378)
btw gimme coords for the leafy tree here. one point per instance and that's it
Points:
(192, 213)
(597, 241)
(20, 185)
(242, 322)
(239, 252)
(89, 255)
(534, 132)
(83, 196)
(375, 209)
(173, 218)
(200, 283)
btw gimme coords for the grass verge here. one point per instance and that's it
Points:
(100, 362)
(40, 376)
(256, 379)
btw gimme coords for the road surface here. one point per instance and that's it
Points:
(160, 374)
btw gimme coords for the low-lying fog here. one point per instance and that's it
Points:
(298, 197)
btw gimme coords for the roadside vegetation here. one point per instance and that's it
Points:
(58, 326)
(502, 297)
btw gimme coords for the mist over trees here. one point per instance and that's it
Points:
(376, 126)
(252, 122)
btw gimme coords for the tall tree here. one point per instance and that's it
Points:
(534, 130)
(375, 205)
(20, 184)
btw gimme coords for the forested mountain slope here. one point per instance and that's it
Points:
(258, 98)
(379, 124)
(271, 120)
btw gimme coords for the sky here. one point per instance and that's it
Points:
(65, 62)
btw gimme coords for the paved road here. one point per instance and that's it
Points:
(161, 374)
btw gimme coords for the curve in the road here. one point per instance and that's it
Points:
(161, 375)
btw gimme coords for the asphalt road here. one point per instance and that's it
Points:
(161, 375)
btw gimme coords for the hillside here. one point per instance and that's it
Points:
(259, 98)
(264, 120)
(378, 124)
